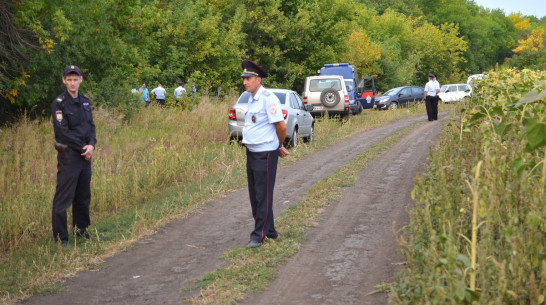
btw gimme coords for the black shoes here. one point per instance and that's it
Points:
(254, 244)
(87, 236)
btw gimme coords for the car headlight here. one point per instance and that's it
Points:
(383, 101)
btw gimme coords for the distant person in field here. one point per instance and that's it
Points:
(193, 90)
(263, 135)
(159, 92)
(75, 143)
(180, 91)
(432, 89)
(144, 94)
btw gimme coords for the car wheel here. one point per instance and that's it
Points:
(311, 136)
(360, 108)
(329, 97)
(393, 106)
(294, 141)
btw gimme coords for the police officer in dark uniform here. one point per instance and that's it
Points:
(263, 135)
(75, 142)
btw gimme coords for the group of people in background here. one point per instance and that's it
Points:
(160, 93)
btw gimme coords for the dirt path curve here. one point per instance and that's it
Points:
(156, 269)
(353, 248)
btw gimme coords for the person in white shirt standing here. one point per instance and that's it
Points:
(263, 135)
(432, 88)
(180, 91)
(160, 94)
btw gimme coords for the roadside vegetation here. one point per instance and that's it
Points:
(477, 233)
(160, 165)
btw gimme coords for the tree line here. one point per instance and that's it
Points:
(120, 44)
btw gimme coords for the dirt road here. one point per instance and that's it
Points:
(345, 256)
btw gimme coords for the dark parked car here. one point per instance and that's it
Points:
(399, 97)
(299, 122)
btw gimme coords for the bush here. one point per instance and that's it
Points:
(490, 165)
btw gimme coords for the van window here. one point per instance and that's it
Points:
(317, 85)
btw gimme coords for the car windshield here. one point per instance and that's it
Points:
(281, 96)
(392, 92)
(317, 85)
(443, 88)
(243, 99)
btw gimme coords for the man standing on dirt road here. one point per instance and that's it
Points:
(263, 136)
(75, 142)
(432, 88)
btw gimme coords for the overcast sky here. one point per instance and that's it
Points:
(526, 7)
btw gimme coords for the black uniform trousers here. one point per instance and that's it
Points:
(73, 188)
(261, 169)
(431, 102)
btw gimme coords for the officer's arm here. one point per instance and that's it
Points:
(60, 126)
(281, 134)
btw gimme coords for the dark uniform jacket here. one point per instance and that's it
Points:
(73, 122)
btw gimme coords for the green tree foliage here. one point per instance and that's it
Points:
(490, 34)
(120, 44)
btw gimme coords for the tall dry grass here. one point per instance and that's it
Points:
(160, 148)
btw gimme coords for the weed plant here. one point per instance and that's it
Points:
(477, 233)
(155, 166)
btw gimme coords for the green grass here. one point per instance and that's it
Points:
(159, 165)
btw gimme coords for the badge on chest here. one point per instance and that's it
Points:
(253, 118)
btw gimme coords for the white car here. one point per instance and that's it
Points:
(454, 92)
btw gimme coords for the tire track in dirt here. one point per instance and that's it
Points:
(353, 247)
(158, 267)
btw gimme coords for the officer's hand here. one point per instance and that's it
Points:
(88, 152)
(283, 152)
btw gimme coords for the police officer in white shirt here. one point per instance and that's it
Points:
(160, 94)
(432, 88)
(263, 135)
(179, 91)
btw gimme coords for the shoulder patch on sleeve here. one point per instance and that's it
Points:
(59, 116)
(272, 107)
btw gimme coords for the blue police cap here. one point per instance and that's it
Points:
(72, 69)
(431, 75)
(252, 69)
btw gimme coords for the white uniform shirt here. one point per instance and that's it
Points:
(159, 93)
(431, 88)
(260, 134)
(178, 91)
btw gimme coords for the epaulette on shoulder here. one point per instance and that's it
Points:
(60, 98)
(266, 93)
